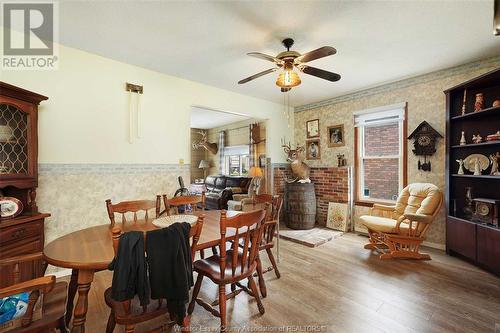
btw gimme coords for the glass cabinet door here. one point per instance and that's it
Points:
(13, 141)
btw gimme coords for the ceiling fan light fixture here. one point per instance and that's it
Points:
(288, 79)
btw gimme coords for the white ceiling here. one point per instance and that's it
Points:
(205, 41)
(206, 118)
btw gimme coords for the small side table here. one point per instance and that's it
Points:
(197, 188)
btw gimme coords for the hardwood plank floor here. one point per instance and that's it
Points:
(341, 287)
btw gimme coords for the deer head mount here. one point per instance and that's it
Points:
(203, 143)
(300, 170)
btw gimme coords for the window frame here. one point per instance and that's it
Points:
(359, 155)
(242, 151)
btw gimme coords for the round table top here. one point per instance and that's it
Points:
(92, 248)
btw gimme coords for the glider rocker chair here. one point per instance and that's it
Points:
(399, 230)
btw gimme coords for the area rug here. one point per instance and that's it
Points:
(311, 238)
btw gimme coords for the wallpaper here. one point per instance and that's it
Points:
(75, 194)
(426, 101)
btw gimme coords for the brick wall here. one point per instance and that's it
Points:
(330, 184)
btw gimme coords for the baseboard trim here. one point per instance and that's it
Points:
(62, 273)
(434, 245)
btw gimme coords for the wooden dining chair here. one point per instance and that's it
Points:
(134, 206)
(52, 294)
(272, 220)
(229, 267)
(130, 312)
(184, 200)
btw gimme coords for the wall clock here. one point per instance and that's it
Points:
(424, 143)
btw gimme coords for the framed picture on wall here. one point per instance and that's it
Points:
(312, 150)
(336, 136)
(312, 128)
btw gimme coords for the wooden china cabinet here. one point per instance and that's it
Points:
(24, 233)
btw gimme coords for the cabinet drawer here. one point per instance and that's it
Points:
(31, 246)
(461, 237)
(20, 232)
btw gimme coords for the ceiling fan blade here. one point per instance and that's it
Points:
(316, 54)
(250, 78)
(320, 73)
(265, 57)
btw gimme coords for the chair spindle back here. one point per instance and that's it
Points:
(132, 207)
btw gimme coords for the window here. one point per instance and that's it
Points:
(380, 153)
(236, 160)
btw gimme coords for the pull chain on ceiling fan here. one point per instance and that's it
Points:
(288, 60)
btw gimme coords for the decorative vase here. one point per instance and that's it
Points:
(463, 142)
(468, 210)
(478, 105)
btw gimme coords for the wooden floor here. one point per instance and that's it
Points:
(341, 287)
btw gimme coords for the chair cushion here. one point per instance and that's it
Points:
(234, 205)
(418, 198)
(210, 267)
(382, 224)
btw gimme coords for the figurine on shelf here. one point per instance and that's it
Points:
(460, 167)
(477, 138)
(463, 142)
(494, 164)
(496, 102)
(477, 167)
(478, 105)
(493, 137)
(463, 102)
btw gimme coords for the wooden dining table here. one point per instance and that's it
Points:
(90, 250)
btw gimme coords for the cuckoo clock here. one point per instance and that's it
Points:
(424, 142)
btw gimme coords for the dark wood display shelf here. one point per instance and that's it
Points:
(482, 144)
(476, 242)
(485, 112)
(478, 177)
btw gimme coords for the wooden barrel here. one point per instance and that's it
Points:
(300, 206)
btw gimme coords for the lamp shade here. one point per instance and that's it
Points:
(288, 79)
(255, 172)
(204, 164)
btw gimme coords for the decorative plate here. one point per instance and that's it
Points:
(10, 207)
(470, 161)
(165, 221)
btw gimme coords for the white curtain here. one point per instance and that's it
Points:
(222, 162)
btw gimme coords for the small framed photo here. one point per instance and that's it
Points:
(312, 150)
(312, 128)
(262, 160)
(336, 136)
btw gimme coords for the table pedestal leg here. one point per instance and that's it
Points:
(85, 278)
(73, 285)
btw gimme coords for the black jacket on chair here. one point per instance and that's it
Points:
(171, 266)
(130, 274)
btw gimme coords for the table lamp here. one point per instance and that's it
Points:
(204, 164)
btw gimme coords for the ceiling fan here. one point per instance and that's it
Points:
(287, 60)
